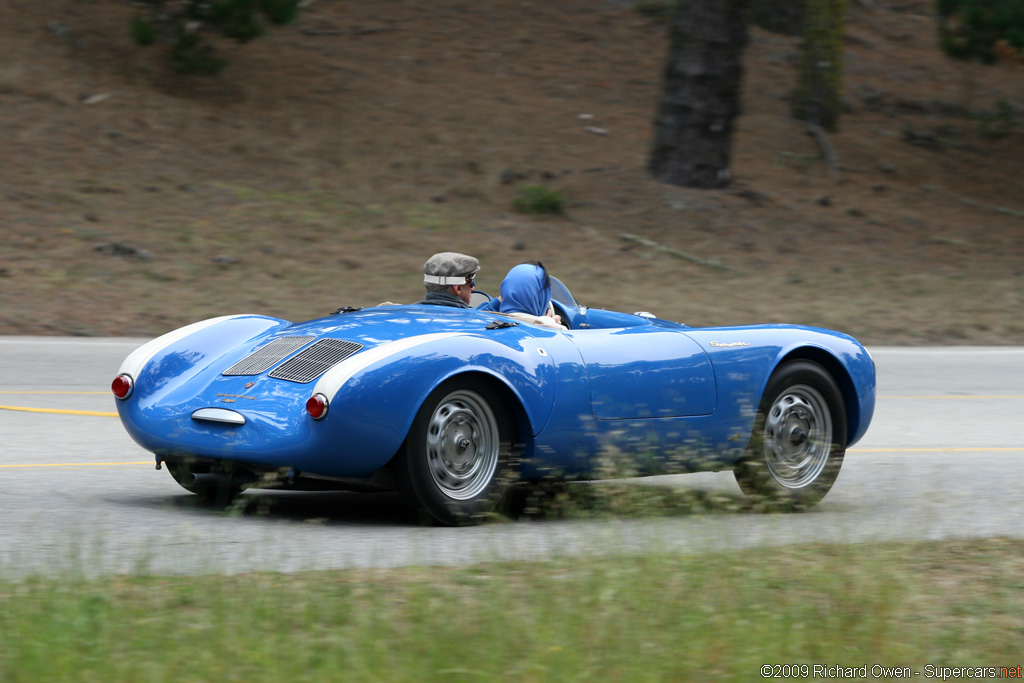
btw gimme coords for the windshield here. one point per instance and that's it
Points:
(560, 293)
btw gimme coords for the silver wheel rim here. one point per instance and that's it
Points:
(798, 436)
(462, 445)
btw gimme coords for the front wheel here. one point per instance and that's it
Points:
(798, 441)
(457, 465)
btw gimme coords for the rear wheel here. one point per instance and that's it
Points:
(457, 465)
(799, 439)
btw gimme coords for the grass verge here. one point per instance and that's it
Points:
(651, 617)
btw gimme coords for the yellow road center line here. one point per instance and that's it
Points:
(1010, 449)
(1003, 396)
(77, 393)
(60, 411)
(77, 464)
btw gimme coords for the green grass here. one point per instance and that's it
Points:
(537, 199)
(653, 617)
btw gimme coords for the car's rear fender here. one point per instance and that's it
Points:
(188, 351)
(374, 397)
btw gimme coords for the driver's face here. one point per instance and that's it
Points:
(465, 291)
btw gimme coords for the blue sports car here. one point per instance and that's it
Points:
(456, 407)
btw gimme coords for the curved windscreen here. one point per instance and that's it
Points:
(560, 294)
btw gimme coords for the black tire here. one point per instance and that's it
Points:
(457, 466)
(217, 495)
(798, 442)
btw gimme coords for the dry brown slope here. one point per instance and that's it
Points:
(336, 154)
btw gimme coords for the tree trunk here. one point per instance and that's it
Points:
(693, 128)
(818, 96)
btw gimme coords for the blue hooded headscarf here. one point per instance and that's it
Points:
(526, 289)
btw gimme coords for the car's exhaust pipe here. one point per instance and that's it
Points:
(207, 480)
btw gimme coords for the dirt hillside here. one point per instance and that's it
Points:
(333, 156)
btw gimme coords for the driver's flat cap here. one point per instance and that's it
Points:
(449, 268)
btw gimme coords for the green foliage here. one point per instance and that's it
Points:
(186, 27)
(539, 199)
(190, 54)
(1000, 123)
(280, 11)
(785, 17)
(818, 95)
(143, 32)
(235, 20)
(657, 10)
(986, 30)
(817, 98)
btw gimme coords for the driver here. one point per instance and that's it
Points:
(526, 295)
(449, 278)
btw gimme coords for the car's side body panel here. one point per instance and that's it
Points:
(742, 358)
(645, 372)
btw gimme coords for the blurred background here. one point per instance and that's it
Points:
(159, 167)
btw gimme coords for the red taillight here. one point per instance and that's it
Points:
(317, 406)
(122, 386)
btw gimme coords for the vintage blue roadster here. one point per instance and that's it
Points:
(456, 407)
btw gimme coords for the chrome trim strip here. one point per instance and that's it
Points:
(219, 415)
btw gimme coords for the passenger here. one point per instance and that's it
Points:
(450, 278)
(526, 295)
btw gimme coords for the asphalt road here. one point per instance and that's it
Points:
(942, 459)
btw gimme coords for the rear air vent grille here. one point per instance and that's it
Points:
(316, 360)
(266, 357)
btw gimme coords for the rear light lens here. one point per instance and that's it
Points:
(122, 386)
(317, 406)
